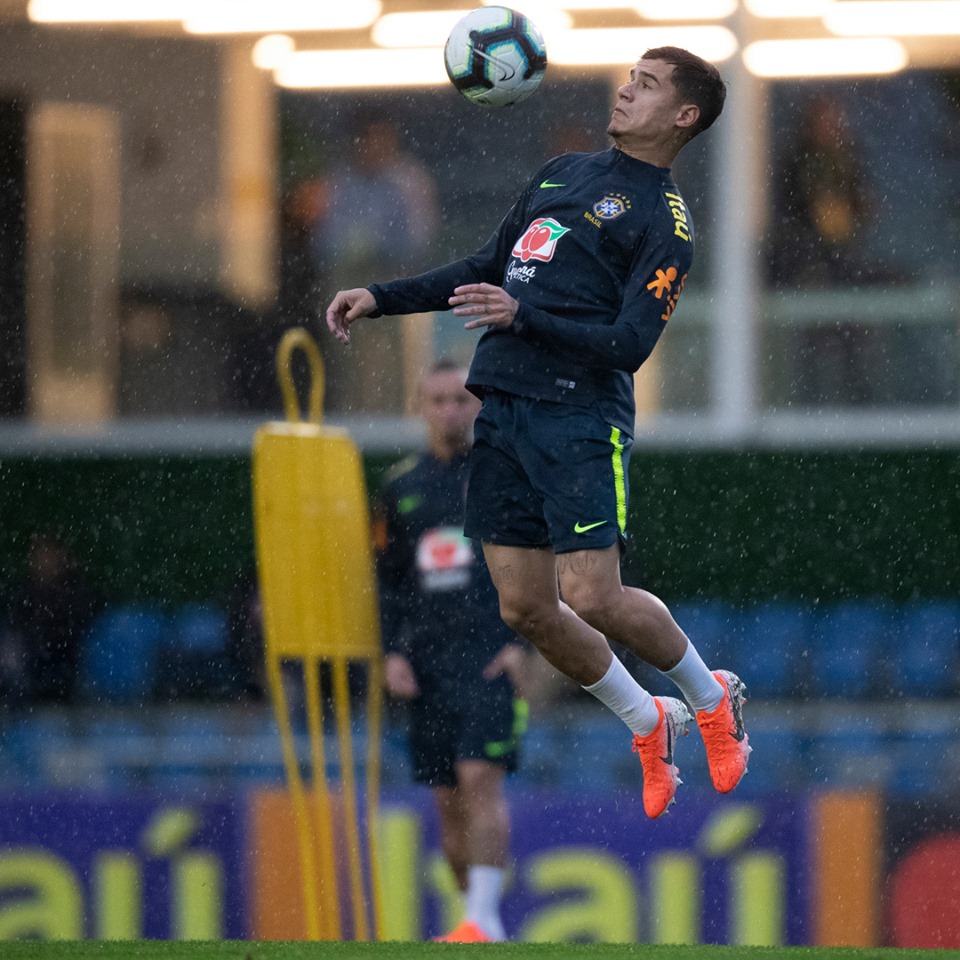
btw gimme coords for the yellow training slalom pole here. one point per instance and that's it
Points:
(318, 593)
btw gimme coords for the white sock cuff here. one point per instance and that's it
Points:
(612, 670)
(701, 688)
(626, 698)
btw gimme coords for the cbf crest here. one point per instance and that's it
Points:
(611, 206)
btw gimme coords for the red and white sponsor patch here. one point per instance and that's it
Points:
(539, 240)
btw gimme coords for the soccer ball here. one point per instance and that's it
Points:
(495, 57)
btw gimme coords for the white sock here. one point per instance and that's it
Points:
(484, 892)
(626, 698)
(701, 688)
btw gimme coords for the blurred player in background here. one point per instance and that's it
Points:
(376, 209)
(49, 613)
(574, 289)
(448, 653)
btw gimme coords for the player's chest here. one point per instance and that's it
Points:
(604, 220)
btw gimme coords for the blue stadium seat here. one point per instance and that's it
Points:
(120, 653)
(851, 647)
(195, 662)
(200, 628)
(849, 752)
(920, 762)
(925, 655)
(691, 760)
(777, 760)
(711, 625)
(543, 756)
(596, 753)
(773, 640)
(28, 742)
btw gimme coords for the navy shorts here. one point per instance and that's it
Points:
(546, 474)
(465, 723)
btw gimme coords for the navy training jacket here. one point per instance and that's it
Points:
(596, 250)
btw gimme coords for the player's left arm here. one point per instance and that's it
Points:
(650, 295)
(622, 345)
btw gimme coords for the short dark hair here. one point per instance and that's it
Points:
(697, 81)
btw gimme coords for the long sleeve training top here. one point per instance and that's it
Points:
(596, 250)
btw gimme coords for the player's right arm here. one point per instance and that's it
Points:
(394, 560)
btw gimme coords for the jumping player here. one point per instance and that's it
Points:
(574, 289)
(449, 654)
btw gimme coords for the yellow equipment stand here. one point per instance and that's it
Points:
(318, 593)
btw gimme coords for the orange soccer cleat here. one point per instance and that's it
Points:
(724, 736)
(466, 932)
(661, 776)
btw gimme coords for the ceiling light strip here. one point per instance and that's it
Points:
(351, 69)
(279, 16)
(825, 58)
(787, 9)
(107, 11)
(913, 18)
(622, 47)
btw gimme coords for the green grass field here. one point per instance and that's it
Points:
(243, 950)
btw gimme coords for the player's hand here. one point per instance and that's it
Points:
(346, 307)
(511, 660)
(399, 678)
(489, 306)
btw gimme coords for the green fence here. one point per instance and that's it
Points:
(734, 525)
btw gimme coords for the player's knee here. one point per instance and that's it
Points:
(527, 616)
(480, 779)
(590, 605)
(515, 617)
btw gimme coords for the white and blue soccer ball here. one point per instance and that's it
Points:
(495, 57)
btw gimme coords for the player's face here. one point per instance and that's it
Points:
(447, 408)
(648, 105)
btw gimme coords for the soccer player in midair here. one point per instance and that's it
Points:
(573, 290)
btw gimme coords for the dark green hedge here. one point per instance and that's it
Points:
(740, 526)
(804, 525)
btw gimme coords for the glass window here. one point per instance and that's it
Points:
(861, 251)
(379, 185)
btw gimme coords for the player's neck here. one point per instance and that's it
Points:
(656, 154)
